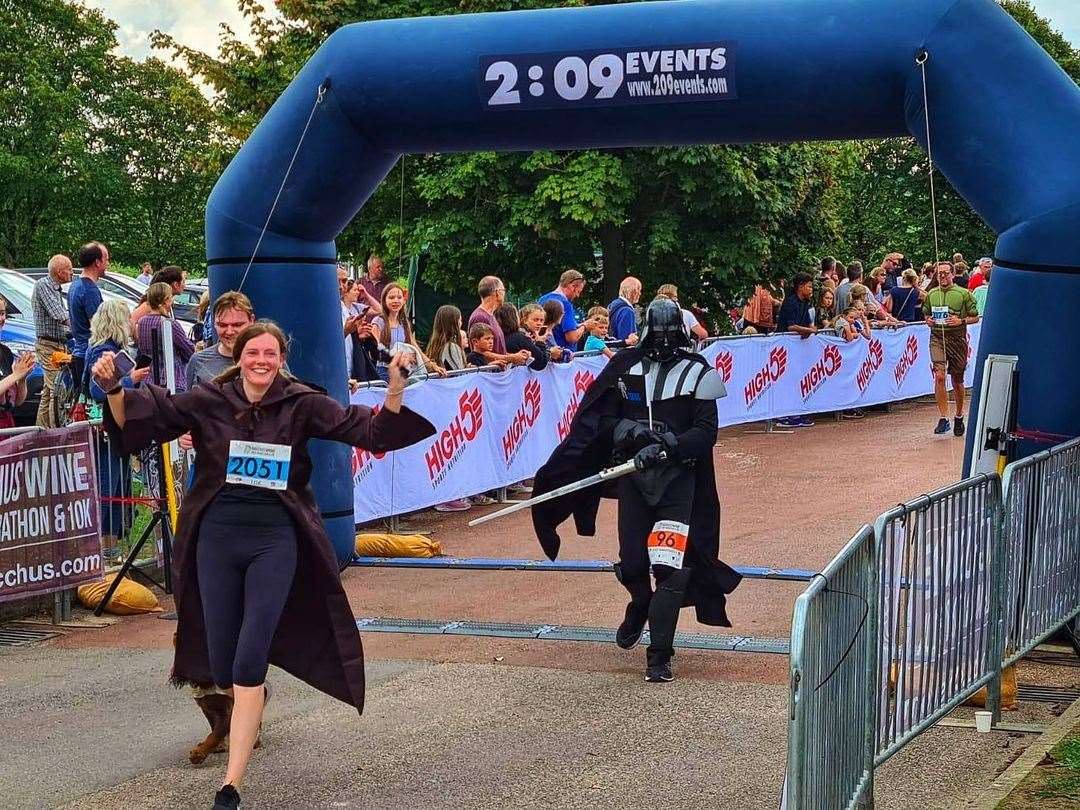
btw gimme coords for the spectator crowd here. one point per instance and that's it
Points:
(844, 300)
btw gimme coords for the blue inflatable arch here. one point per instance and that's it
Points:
(1004, 129)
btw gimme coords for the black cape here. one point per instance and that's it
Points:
(585, 451)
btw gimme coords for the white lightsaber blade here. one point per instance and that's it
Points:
(609, 474)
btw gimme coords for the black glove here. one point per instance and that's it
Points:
(652, 456)
(667, 440)
(630, 434)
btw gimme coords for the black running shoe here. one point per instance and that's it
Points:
(227, 799)
(629, 632)
(659, 673)
(958, 426)
(942, 426)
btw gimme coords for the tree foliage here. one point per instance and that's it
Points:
(96, 145)
(104, 147)
(886, 186)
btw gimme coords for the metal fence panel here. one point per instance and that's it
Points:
(1042, 546)
(938, 590)
(830, 753)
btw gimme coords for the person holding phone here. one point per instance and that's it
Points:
(159, 298)
(13, 373)
(255, 577)
(361, 347)
(109, 334)
(534, 323)
(393, 327)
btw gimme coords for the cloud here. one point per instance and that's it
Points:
(1063, 15)
(195, 23)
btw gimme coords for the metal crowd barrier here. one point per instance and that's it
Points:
(938, 640)
(913, 618)
(460, 372)
(831, 721)
(1042, 548)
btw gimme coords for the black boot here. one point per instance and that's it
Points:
(227, 799)
(637, 612)
(658, 668)
(663, 619)
(629, 632)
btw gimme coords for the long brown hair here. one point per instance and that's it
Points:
(445, 330)
(249, 332)
(403, 319)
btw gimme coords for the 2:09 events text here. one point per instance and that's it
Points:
(662, 74)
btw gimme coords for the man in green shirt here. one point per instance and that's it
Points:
(949, 309)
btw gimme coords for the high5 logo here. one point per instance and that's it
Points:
(364, 460)
(772, 371)
(725, 365)
(907, 360)
(524, 418)
(463, 429)
(582, 380)
(827, 365)
(870, 365)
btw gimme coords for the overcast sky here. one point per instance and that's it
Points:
(195, 22)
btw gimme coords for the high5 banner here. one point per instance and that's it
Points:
(784, 375)
(496, 429)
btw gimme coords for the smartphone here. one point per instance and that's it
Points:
(124, 363)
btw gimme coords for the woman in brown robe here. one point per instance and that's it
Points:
(250, 516)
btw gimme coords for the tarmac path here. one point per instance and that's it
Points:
(87, 721)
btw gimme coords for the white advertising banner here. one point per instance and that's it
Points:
(493, 430)
(784, 375)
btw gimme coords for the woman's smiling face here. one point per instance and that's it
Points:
(260, 360)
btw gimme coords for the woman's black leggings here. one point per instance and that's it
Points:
(245, 574)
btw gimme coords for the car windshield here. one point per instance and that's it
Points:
(117, 288)
(17, 290)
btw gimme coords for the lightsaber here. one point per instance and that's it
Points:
(609, 474)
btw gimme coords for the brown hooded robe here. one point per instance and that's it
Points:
(316, 639)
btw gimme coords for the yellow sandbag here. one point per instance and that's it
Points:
(397, 545)
(1008, 688)
(1008, 691)
(130, 597)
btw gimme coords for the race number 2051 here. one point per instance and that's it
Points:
(646, 75)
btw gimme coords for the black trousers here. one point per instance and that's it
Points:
(245, 575)
(639, 511)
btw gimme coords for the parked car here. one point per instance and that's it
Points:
(117, 285)
(18, 335)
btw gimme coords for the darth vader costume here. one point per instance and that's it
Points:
(669, 514)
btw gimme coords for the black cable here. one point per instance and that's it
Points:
(854, 638)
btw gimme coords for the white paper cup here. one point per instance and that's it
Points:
(983, 721)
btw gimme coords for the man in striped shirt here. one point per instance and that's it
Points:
(52, 327)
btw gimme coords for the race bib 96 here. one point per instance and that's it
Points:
(667, 543)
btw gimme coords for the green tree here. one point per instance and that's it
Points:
(48, 96)
(710, 218)
(97, 146)
(170, 149)
(886, 186)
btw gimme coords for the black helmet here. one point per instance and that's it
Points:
(664, 332)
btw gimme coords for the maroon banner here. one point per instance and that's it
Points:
(50, 537)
